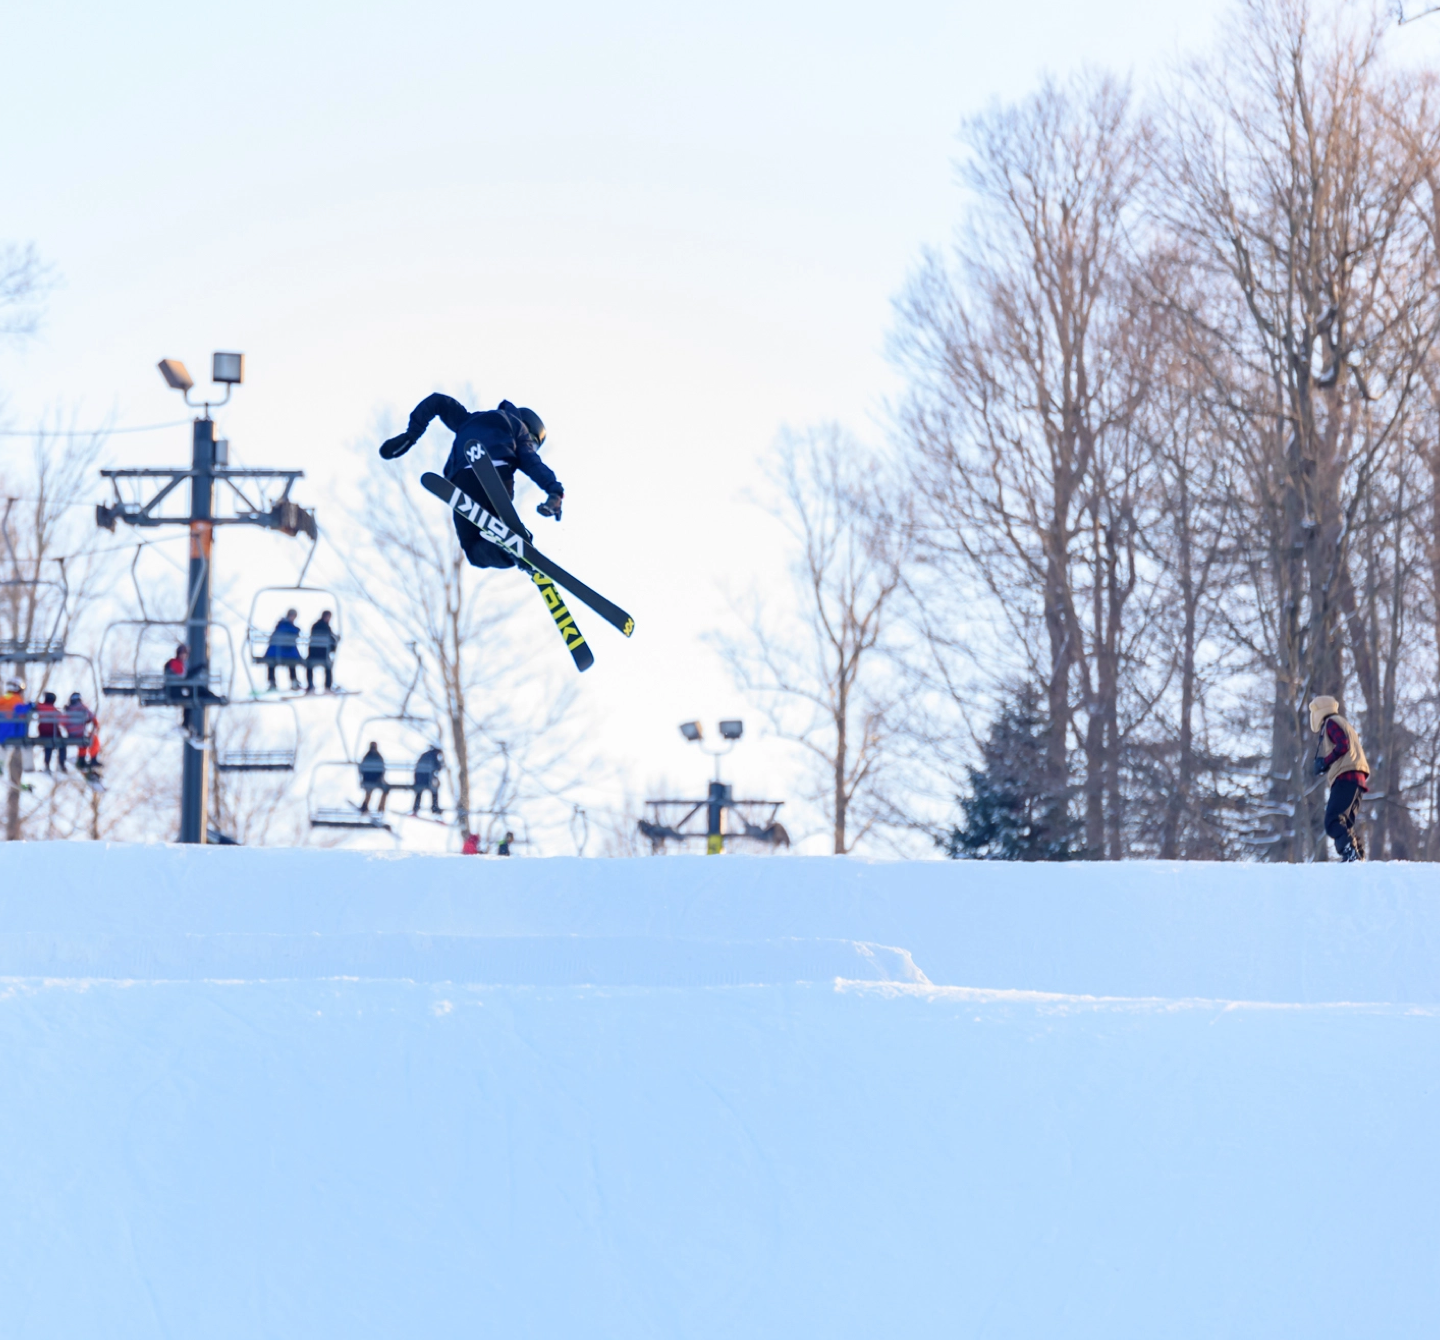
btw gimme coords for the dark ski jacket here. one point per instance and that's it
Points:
(322, 642)
(426, 766)
(499, 432)
(372, 768)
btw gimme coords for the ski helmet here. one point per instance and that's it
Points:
(533, 422)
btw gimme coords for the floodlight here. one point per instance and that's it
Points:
(176, 378)
(228, 368)
(732, 730)
(690, 730)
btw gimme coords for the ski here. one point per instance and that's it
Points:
(493, 487)
(579, 651)
(503, 506)
(469, 503)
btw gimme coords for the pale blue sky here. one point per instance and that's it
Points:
(671, 229)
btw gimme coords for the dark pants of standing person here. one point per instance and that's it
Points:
(290, 666)
(324, 664)
(1341, 813)
(370, 788)
(424, 783)
(54, 749)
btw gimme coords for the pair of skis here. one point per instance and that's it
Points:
(487, 506)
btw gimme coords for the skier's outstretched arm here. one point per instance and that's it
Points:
(527, 459)
(446, 408)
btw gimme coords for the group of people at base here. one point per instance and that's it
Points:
(57, 729)
(428, 768)
(284, 649)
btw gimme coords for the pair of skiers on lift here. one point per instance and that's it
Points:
(510, 436)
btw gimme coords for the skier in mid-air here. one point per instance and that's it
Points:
(1340, 759)
(511, 437)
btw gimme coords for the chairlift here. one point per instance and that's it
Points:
(32, 610)
(324, 785)
(133, 654)
(257, 737)
(263, 646)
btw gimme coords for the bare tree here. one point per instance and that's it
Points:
(1301, 170)
(822, 676)
(51, 575)
(1027, 360)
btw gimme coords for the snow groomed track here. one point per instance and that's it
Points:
(320, 1094)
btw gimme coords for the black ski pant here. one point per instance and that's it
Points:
(289, 665)
(478, 550)
(310, 667)
(424, 783)
(1342, 811)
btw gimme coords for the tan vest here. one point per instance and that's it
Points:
(1353, 759)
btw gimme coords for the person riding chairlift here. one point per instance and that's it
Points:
(284, 649)
(13, 711)
(80, 725)
(48, 714)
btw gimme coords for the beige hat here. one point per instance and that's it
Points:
(1320, 708)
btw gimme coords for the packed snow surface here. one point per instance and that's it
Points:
(315, 1094)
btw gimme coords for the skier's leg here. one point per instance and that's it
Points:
(479, 552)
(1340, 813)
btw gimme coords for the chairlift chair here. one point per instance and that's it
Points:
(133, 653)
(276, 749)
(27, 645)
(402, 738)
(260, 636)
(323, 784)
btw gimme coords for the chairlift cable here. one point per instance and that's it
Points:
(91, 432)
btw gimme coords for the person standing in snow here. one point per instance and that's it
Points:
(510, 436)
(1340, 759)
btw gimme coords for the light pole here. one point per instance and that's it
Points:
(719, 798)
(195, 695)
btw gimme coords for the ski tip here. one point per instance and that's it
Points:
(584, 658)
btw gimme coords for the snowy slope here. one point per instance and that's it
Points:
(323, 1094)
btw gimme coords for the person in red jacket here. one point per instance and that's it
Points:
(1340, 759)
(48, 715)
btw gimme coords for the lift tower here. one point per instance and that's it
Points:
(251, 505)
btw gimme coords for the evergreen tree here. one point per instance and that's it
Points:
(1008, 815)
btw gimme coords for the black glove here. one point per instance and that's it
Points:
(552, 505)
(1319, 766)
(396, 446)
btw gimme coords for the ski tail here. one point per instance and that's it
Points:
(575, 644)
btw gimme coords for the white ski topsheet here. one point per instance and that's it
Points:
(322, 1094)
